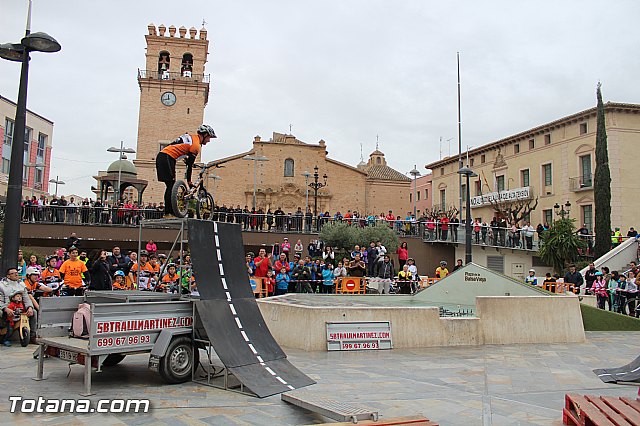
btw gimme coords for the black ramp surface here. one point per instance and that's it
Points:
(229, 314)
(227, 339)
(206, 265)
(260, 379)
(626, 373)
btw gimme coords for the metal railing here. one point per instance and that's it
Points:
(169, 76)
(581, 183)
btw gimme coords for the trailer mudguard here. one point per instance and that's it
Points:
(165, 337)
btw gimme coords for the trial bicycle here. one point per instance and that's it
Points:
(185, 198)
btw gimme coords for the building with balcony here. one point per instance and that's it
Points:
(553, 163)
(37, 149)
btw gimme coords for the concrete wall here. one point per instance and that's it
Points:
(500, 320)
(516, 262)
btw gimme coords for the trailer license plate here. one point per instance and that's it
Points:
(68, 355)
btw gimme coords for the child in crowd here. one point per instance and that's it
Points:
(282, 282)
(118, 281)
(17, 306)
(270, 283)
(599, 288)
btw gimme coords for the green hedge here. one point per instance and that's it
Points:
(595, 319)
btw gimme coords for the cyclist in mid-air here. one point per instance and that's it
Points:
(188, 145)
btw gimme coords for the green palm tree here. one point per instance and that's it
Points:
(561, 245)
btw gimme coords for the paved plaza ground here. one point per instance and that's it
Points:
(499, 385)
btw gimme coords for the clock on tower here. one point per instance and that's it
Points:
(174, 91)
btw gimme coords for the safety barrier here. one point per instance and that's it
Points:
(351, 285)
(259, 287)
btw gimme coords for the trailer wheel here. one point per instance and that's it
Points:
(112, 359)
(176, 365)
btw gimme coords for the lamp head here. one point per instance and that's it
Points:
(41, 42)
(11, 52)
(466, 171)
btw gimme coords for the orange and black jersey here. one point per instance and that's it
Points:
(187, 144)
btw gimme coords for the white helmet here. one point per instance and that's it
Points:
(443, 263)
(532, 270)
(205, 129)
(32, 270)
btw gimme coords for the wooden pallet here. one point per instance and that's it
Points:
(589, 410)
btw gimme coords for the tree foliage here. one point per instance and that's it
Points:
(343, 236)
(560, 245)
(602, 184)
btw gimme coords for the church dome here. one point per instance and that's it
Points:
(124, 166)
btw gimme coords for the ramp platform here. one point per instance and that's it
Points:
(330, 408)
(626, 373)
(229, 317)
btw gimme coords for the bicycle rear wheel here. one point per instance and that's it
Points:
(179, 203)
(631, 307)
(204, 206)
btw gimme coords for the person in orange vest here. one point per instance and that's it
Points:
(188, 145)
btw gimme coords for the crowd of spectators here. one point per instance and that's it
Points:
(69, 271)
(87, 211)
(284, 270)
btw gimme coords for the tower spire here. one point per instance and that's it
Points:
(361, 155)
(377, 142)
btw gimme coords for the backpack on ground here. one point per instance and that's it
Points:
(80, 325)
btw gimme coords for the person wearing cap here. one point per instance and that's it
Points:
(71, 272)
(531, 278)
(574, 279)
(51, 276)
(442, 271)
(118, 281)
(599, 288)
(142, 273)
(34, 288)
(171, 279)
(9, 286)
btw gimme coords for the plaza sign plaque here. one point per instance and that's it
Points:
(359, 335)
(502, 196)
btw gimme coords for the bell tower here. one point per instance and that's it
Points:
(174, 91)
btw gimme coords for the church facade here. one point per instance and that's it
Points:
(282, 180)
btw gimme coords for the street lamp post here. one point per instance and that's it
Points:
(255, 159)
(306, 175)
(315, 185)
(563, 210)
(36, 166)
(122, 150)
(415, 173)
(466, 171)
(57, 181)
(19, 52)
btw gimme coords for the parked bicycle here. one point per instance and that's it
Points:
(194, 198)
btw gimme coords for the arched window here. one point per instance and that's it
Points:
(378, 160)
(187, 65)
(288, 167)
(163, 65)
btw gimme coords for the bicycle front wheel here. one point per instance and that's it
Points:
(179, 201)
(204, 206)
